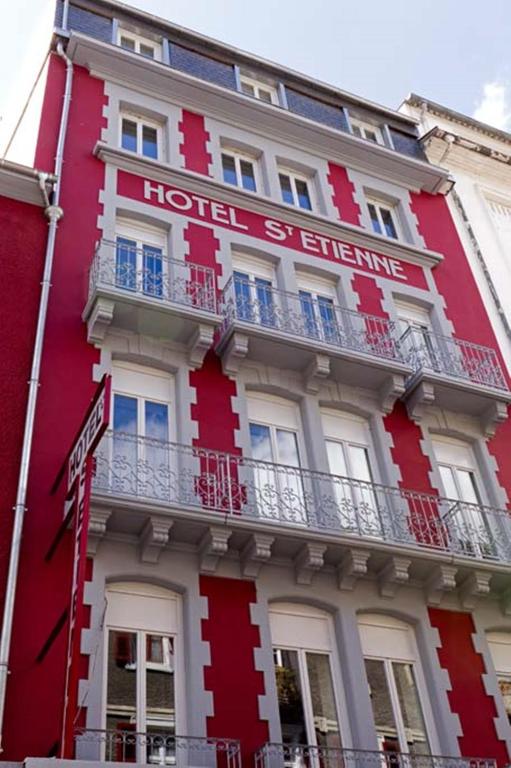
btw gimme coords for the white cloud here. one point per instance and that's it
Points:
(495, 106)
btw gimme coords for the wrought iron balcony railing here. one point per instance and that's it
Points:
(148, 273)
(425, 350)
(156, 748)
(273, 755)
(131, 466)
(303, 316)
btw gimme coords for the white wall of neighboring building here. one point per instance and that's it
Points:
(479, 159)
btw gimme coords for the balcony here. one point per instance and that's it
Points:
(456, 375)
(215, 501)
(154, 748)
(312, 336)
(141, 290)
(308, 756)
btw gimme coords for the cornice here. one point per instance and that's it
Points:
(111, 62)
(464, 155)
(205, 185)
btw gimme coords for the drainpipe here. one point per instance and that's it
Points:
(53, 213)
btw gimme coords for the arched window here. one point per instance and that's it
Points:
(500, 650)
(306, 674)
(395, 684)
(143, 672)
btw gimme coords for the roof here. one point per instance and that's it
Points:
(458, 117)
(223, 50)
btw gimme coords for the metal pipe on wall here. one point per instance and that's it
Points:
(54, 213)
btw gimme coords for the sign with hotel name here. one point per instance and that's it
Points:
(95, 424)
(241, 220)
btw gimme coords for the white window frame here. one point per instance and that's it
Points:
(138, 41)
(140, 123)
(392, 208)
(389, 654)
(258, 85)
(136, 590)
(142, 235)
(297, 613)
(238, 157)
(139, 375)
(501, 659)
(364, 126)
(295, 176)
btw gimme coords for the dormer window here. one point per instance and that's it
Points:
(259, 90)
(144, 46)
(367, 131)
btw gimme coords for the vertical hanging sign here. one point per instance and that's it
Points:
(79, 467)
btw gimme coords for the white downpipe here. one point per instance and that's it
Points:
(53, 213)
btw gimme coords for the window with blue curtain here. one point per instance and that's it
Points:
(264, 293)
(153, 270)
(126, 264)
(309, 319)
(244, 310)
(328, 319)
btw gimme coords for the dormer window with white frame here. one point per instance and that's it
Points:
(296, 189)
(141, 135)
(135, 43)
(384, 218)
(259, 90)
(240, 170)
(365, 130)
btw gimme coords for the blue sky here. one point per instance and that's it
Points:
(456, 52)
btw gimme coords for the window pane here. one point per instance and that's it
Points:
(359, 461)
(388, 223)
(289, 695)
(152, 270)
(160, 698)
(247, 175)
(244, 308)
(374, 219)
(125, 414)
(156, 420)
(265, 95)
(229, 170)
(247, 89)
(287, 448)
(468, 488)
(147, 50)
(128, 43)
(324, 711)
(121, 708)
(307, 307)
(328, 321)
(370, 135)
(384, 720)
(357, 131)
(126, 263)
(411, 712)
(260, 442)
(264, 293)
(303, 195)
(149, 141)
(336, 459)
(447, 475)
(505, 690)
(129, 135)
(285, 187)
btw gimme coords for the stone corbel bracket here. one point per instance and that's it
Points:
(391, 390)
(99, 320)
(213, 546)
(154, 538)
(98, 520)
(393, 575)
(441, 580)
(255, 553)
(419, 399)
(352, 567)
(317, 370)
(493, 416)
(308, 560)
(475, 586)
(233, 353)
(200, 343)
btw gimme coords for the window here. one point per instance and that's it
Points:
(468, 525)
(274, 428)
(501, 215)
(138, 44)
(383, 218)
(348, 445)
(499, 644)
(366, 131)
(239, 170)
(305, 671)
(417, 338)
(295, 189)
(395, 684)
(321, 318)
(143, 673)
(254, 295)
(140, 265)
(259, 90)
(141, 456)
(141, 136)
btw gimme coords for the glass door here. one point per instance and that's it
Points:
(140, 697)
(466, 521)
(254, 299)
(278, 485)
(307, 706)
(319, 316)
(139, 260)
(356, 499)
